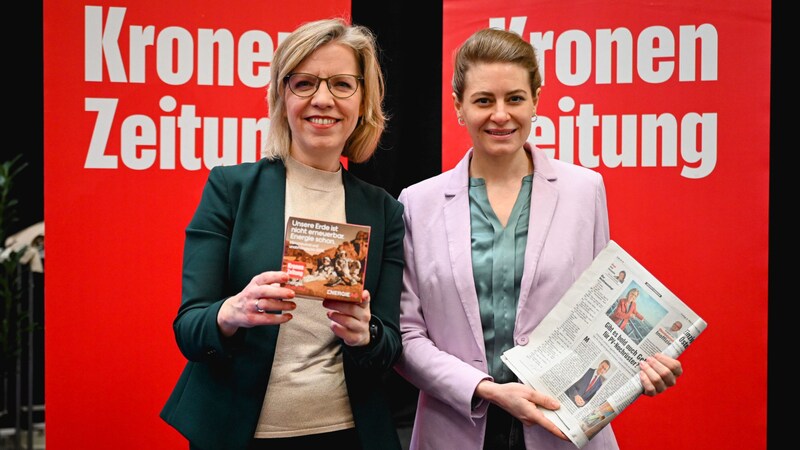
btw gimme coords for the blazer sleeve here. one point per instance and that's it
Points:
(381, 354)
(602, 233)
(205, 264)
(432, 370)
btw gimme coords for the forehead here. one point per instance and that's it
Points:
(330, 59)
(496, 77)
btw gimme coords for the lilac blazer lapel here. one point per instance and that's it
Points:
(459, 243)
(544, 197)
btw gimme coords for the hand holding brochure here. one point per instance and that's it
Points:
(586, 351)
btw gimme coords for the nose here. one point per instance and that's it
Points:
(323, 96)
(500, 114)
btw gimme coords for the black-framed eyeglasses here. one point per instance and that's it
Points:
(305, 84)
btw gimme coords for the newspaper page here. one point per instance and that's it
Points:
(586, 351)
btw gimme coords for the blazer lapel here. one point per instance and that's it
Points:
(459, 243)
(273, 184)
(544, 197)
(354, 201)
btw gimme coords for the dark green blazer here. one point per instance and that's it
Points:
(237, 232)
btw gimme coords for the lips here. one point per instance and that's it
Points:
(322, 120)
(500, 132)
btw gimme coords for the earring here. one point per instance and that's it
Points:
(534, 118)
(461, 121)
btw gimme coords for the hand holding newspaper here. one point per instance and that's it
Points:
(586, 351)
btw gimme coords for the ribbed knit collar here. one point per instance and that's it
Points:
(312, 178)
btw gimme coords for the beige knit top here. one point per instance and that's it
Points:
(306, 392)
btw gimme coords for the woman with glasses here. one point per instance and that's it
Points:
(491, 246)
(267, 370)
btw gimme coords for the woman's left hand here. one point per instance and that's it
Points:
(658, 373)
(350, 320)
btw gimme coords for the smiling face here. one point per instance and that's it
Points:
(320, 124)
(497, 107)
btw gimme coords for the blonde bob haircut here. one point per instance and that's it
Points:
(298, 45)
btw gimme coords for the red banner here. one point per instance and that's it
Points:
(670, 102)
(141, 99)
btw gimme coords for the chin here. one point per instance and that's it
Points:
(504, 148)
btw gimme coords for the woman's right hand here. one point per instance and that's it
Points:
(522, 402)
(259, 303)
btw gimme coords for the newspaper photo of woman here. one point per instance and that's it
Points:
(636, 313)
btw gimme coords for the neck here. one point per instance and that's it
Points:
(324, 160)
(501, 168)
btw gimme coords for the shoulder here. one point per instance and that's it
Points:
(450, 182)
(246, 170)
(430, 190)
(247, 175)
(564, 172)
(571, 180)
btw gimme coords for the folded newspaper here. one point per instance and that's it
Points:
(586, 351)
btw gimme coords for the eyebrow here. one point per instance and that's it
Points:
(491, 94)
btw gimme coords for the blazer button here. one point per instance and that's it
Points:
(211, 352)
(522, 340)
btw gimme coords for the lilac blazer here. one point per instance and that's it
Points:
(443, 349)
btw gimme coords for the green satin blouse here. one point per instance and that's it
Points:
(498, 255)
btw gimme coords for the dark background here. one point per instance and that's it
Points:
(410, 150)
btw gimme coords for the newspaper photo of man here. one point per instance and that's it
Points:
(582, 391)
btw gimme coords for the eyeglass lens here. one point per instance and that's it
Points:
(306, 84)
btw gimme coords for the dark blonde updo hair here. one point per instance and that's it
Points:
(293, 50)
(492, 45)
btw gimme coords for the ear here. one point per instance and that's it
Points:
(457, 105)
(536, 98)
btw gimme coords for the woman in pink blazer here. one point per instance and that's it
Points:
(490, 247)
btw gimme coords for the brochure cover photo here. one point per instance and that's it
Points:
(326, 260)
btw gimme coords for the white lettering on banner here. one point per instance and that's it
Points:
(96, 157)
(142, 141)
(655, 46)
(544, 130)
(175, 49)
(578, 58)
(207, 57)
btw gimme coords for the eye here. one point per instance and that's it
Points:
(344, 83)
(482, 101)
(301, 82)
(516, 99)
